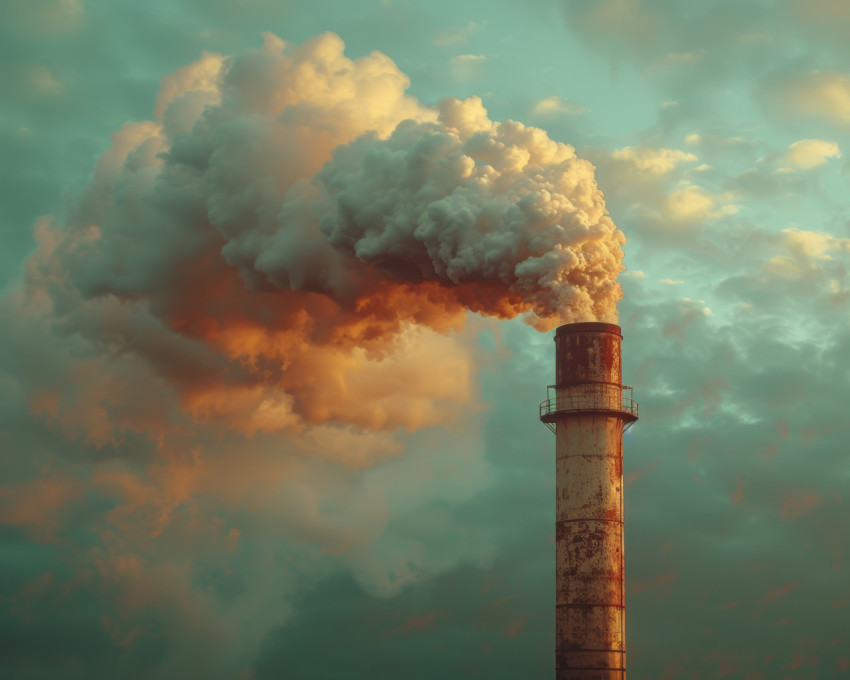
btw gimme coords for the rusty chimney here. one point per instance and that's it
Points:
(588, 408)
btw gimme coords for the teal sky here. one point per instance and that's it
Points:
(236, 493)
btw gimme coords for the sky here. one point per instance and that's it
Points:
(277, 284)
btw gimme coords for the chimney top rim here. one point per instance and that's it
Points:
(588, 327)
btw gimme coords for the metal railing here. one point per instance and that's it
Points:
(567, 403)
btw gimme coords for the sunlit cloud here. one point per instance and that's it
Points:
(809, 153)
(692, 204)
(465, 66)
(552, 106)
(653, 161)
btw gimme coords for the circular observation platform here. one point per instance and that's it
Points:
(556, 405)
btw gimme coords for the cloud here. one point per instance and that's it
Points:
(465, 66)
(812, 244)
(797, 268)
(682, 212)
(455, 35)
(676, 44)
(692, 204)
(197, 85)
(552, 106)
(630, 23)
(38, 504)
(653, 161)
(659, 192)
(639, 175)
(673, 60)
(810, 153)
(715, 147)
(819, 94)
(32, 80)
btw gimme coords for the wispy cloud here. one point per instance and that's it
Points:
(809, 153)
(455, 35)
(465, 66)
(552, 106)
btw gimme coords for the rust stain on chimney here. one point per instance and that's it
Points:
(588, 408)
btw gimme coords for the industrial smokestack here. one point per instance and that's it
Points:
(588, 409)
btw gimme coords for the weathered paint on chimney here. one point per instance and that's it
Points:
(589, 414)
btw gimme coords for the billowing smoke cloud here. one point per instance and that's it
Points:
(506, 218)
(292, 238)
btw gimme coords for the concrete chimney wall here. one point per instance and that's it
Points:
(589, 413)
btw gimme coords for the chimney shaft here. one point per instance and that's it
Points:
(588, 411)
